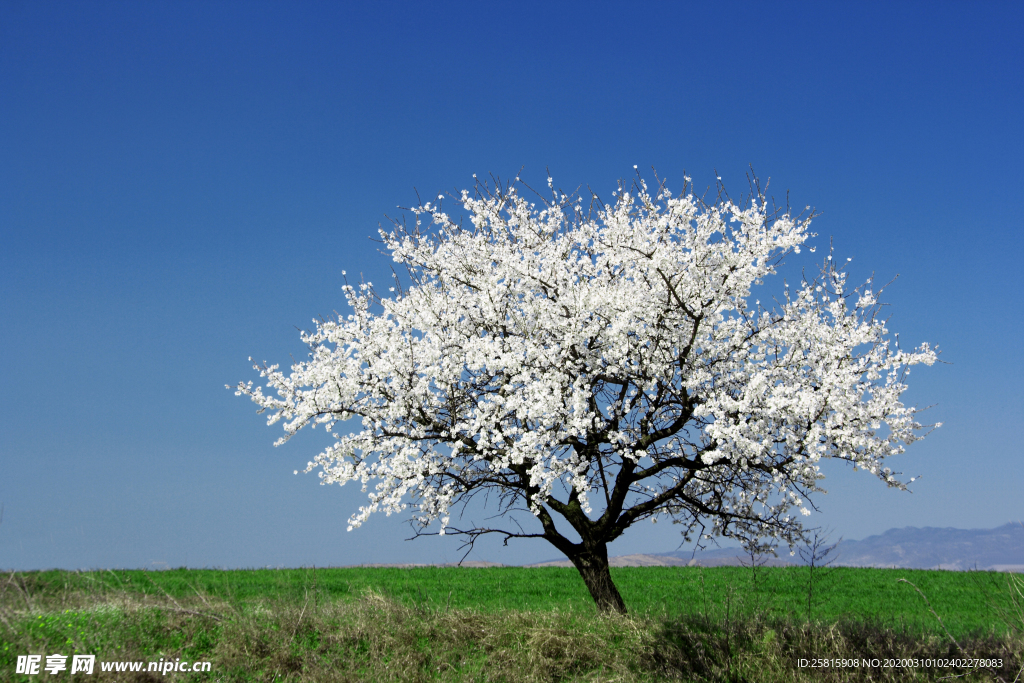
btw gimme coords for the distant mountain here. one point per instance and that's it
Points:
(709, 558)
(999, 549)
(730, 557)
(638, 560)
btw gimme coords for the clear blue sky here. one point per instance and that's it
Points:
(181, 185)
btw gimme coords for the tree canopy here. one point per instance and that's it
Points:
(598, 364)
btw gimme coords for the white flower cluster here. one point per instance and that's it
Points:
(613, 357)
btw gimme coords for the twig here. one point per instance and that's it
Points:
(704, 596)
(215, 617)
(4, 592)
(116, 577)
(11, 578)
(206, 602)
(299, 622)
(24, 593)
(937, 617)
(934, 614)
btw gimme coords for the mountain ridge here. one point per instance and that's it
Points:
(997, 549)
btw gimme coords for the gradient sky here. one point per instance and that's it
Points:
(181, 185)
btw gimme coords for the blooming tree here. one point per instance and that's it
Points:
(598, 365)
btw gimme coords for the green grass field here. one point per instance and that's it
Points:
(512, 624)
(962, 600)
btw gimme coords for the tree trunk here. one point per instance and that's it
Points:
(592, 564)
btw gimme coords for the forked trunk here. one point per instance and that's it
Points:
(592, 565)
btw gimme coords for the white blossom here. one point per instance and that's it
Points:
(566, 359)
